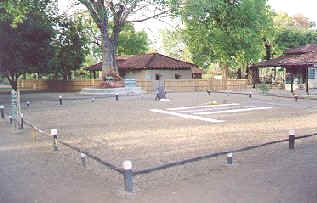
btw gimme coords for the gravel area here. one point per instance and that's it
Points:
(126, 129)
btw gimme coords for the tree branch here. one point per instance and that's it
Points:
(147, 18)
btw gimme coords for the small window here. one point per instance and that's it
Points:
(311, 73)
(157, 76)
(177, 76)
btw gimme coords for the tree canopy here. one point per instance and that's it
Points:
(227, 32)
(26, 46)
(292, 31)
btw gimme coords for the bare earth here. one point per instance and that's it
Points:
(126, 129)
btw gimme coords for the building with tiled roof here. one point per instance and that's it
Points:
(153, 66)
(300, 64)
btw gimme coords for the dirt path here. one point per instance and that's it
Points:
(34, 173)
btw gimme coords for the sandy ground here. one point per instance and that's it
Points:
(119, 130)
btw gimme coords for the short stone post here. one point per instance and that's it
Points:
(60, 100)
(291, 139)
(83, 158)
(229, 158)
(296, 97)
(22, 121)
(28, 103)
(2, 111)
(54, 134)
(117, 96)
(127, 176)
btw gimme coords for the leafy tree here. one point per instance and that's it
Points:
(130, 42)
(70, 48)
(228, 32)
(291, 32)
(103, 12)
(26, 46)
(174, 45)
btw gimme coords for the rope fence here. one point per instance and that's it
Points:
(127, 171)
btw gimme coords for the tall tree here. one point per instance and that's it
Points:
(130, 41)
(26, 46)
(174, 45)
(70, 47)
(228, 32)
(291, 32)
(105, 11)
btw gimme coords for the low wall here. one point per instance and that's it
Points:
(189, 85)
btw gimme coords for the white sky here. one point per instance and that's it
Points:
(306, 7)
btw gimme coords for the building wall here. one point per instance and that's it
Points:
(163, 74)
(312, 75)
(137, 74)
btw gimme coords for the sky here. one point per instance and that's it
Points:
(292, 7)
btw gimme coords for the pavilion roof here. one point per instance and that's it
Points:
(298, 57)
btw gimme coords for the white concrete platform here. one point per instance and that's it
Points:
(122, 91)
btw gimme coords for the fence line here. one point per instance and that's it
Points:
(182, 85)
(77, 149)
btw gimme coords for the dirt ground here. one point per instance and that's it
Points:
(127, 129)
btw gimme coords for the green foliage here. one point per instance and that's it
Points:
(264, 88)
(291, 32)
(132, 42)
(70, 47)
(217, 31)
(26, 47)
(119, 12)
(173, 43)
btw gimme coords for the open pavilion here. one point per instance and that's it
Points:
(300, 64)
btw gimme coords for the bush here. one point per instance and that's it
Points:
(264, 88)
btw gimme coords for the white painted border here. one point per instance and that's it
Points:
(187, 116)
(233, 111)
(206, 106)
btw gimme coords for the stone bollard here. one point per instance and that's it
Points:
(296, 97)
(291, 139)
(117, 96)
(127, 176)
(229, 158)
(60, 100)
(28, 103)
(54, 134)
(83, 158)
(2, 111)
(22, 121)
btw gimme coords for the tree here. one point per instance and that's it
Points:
(292, 31)
(103, 12)
(228, 32)
(174, 45)
(130, 42)
(70, 47)
(26, 46)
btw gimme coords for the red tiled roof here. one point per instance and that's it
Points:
(302, 49)
(149, 61)
(302, 56)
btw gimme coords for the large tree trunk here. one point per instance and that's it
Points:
(109, 63)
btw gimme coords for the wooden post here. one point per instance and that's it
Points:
(307, 91)
(292, 82)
